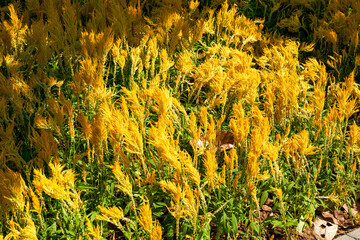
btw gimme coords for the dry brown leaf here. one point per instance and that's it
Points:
(269, 202)
(266, 208)
(306, 234)
(224, 141)
(340, 216)
(200, 143)
(324, 230)
(354, 208)
(345, 206)
(328, 216)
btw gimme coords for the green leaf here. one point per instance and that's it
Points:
(205, 232)
(52, 228)
(255, 226)
(289, 187)
(277, 223)
(85, 187)
(223, 218)
(264, 197)
(127, 208)
(92, 216)
(234, 221)
(158, 209)
(72, 234)
(292, 222)
(32, 119)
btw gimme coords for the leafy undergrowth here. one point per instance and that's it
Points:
(178, 119)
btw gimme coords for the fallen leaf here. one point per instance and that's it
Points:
(200, 143)
(328, 216)
(224, 141)
(269, 202)
(324, 230)
(354, 208)
(306, 234)
(266, 208)
(340, 216)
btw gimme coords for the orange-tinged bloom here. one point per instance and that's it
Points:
(253, 165)
(16, 29)
(113, 214)
(35, 201)
(94, 231)
(12, 191)
(189, 168)
(145, 217)
(171, 187)
(60, 186)
(278, 193)
(124, 181)
(210, 164)
(156, 233)
(301, 143)
(239, 124)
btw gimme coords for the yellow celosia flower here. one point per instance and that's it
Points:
(156, 233)
(253, 192)
(203, 117)
(119, 54)
(252, 166)
(85, 125)
(43, 123)
(191, 203)
(165, 62)
(171, 187)
(239, 124)
(354, 136)
(301, 143)
(163, 100)
(210, 164)
(334, 198)
(258, 140)
(189, 168)
(12, 192)
(278, 193)
(60, 186)
(99, 131)
(195, 132)
(95, 232)
(304, 47)
(16, 29)
(193, 5)
(62, 177)
(97, 45)
(184, 63)
(145, 217)
(135, 61)
(17, 232)
(114, 214)
(133, 138)
(47, 145)
(263, 176)
(162, 140)
(292, 24)
(37, 205)
(123, 180)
